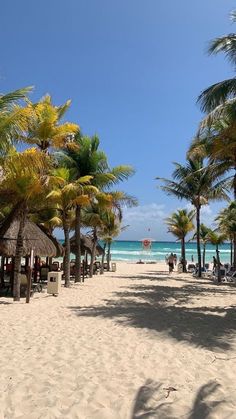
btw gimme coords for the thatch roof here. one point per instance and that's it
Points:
(59, 247)
(86, 244)
(34, 238)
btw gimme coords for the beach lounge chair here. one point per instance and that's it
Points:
(191, 267)
(223, 276)
(43, 274)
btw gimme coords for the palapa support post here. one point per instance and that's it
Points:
(2, 271)
(83, 265)
(29, 276)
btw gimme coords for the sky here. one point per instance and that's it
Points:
(133, 70)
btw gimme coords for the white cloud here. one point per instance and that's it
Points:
(145, 221)
(144, 212)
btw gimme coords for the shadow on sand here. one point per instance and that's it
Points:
(152, 402)
(164, 309)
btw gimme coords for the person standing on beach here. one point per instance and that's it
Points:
(171, 263)
(175, 259)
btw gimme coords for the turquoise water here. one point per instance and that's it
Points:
(132, 251)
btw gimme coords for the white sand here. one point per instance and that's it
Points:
(109, 348)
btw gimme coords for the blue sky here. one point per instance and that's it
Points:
(133, 69)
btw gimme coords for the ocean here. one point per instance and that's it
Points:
(132, 251)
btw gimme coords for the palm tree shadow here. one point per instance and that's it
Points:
(148, 403)
(203, 408)
(165, 309)
(151, 403)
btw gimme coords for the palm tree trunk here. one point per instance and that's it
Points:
(218, 264)
(108, 256)
(231, 251)
(198, 241)
(234, 246)
(77, 244)
(234, 184)
(66, 261)
(204, 255)
(93, 252)
(183, 254)
(19, 254)
(103, 258)
(2, 271)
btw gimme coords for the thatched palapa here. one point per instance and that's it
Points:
(59, 247)
(86, 244)
(34, 238)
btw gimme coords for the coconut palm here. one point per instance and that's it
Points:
(218, 143)
(93, 215)
(204, 238)
(216, 239)
(89, 160)
(198, 184)
(218, 93)
(227, 225)
(180, 223)
(65, 197)
(24, 181)
(110, 229)
(12, 117)
(44, 127)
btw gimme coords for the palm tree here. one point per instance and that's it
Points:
(88, 160)
(24, 181)
(44, 127)
(217, 94)
(204, 238)
(110, 229)
(227, 225)
(12, 117)
(216, 140)
(198, 184)
(93, 215)
(65, 197)
(216, 239)
(180, 223)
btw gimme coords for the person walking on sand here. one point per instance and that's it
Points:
(171, 259)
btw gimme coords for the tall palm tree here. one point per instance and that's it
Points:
(204, 238)
(216, 140)
(110, 229)
(44, 126)
(88, 160)
(64, 197)
(216, 239)
(218, 93)
(227, 225)
(23, 184)
(180, 223)
(198, 184)
(96, 213)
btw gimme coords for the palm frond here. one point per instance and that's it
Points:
(225, 44)
(217, 94)
(12, 97)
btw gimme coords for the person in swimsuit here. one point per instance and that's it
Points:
(171, 263)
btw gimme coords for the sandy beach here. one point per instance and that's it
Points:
(137, 343)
